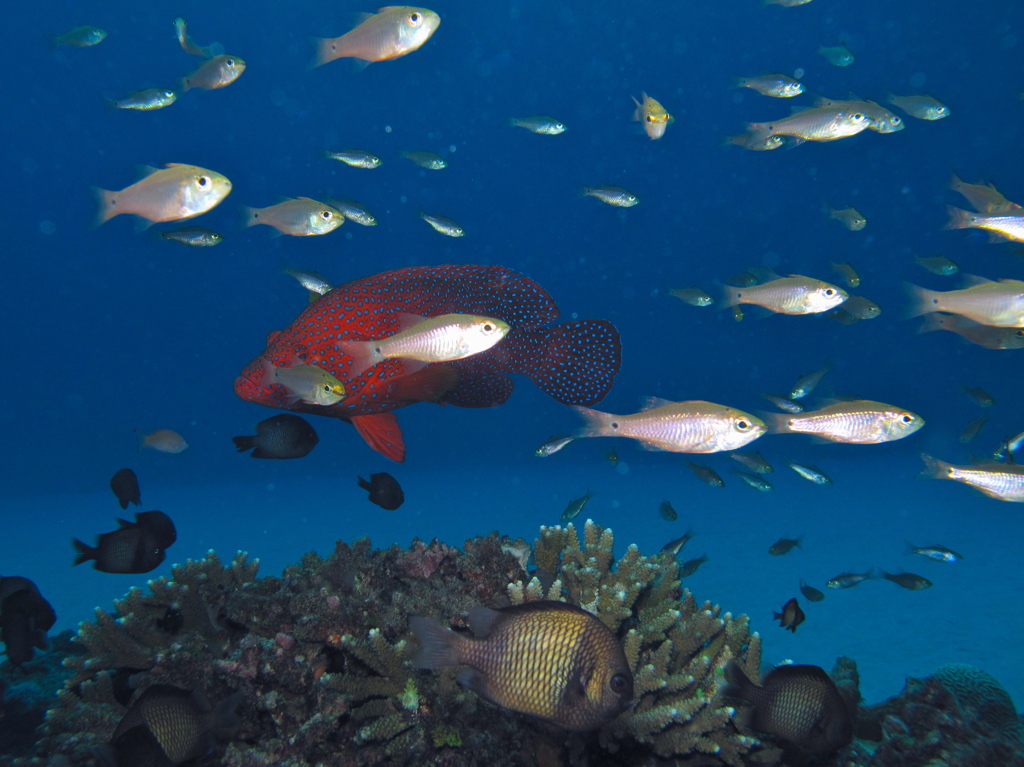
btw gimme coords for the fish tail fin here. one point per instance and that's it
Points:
(438, 645)
(363, 483)
(140, 441)
(922, 301)
(958, 218)
(325, 49)
(85, 552)
(738, 82)
(250, 216)
(936, 321)
(244, 443)
(911, 548)
(731, 296)
(777, 423)
(382, 433)
(596, 423)
(578, 361)
(363, 355)
(106, 202)
(738, 684)
(935, 468)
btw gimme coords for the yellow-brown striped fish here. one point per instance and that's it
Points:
(391, 32)
(551, 660)
(857, 422)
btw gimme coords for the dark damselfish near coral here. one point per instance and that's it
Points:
(320, 657)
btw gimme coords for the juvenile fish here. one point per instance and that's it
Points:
(189, 46)
(999, 304)
(547, 126)
(846, 271)
(81, 37)
(674, 547)
(194, 236)
(356, 158)
(980, 396)
(755, 481)
(788, 295)
(755, 462)
(173, 193)
(856, 308)
(707, 475)
(852, 219)
(391, 32)
(298, 217)
(980, 335)
(936, 552)
(849, 580)
(283, 436)
(810, 473)
(443, 225)
(784, 546)
(857, 422)
(552, 446)
(304, 383)
(353, 211)
(679, 427)
(785, 403)
(218, 72)
(774, 85)
(791, 615)
(125, 485)
(692, 296)
(445, 338)
(652, 115)
(575, 507)
(384, 490)
(314, 282)
(836, 55)
(667, 512)
(756, 141)
(611, 195)
(690, 566)
(786, 3)
(921, 107)
(808, 383)
(908, 580)
(424, 159)
(937, 264)
(1002, 481)
(1009, 446)
(145, 100)
(814, 124)
(999, 227)
(163, 441)
(880, 119)
(811, 593)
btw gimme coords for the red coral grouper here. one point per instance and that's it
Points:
(575, 362)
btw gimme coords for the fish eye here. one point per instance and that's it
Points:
(326, 215)
(859, 117)
(650, 118)
(1019, 333)
(828, 292)
(908, 419)
(488, 327)
(230, 62)
(202, 181)
(415, 18)
(743, 424)
(896, 120)
(618, 683)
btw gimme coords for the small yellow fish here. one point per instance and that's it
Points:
(679, 427)
(692, 296)
(357, 158)
(850, 218)
(980, 335)
(305, 383)
(653, 115)
(173, 193)
(542, 124)
(774, 85)
(214, 73)
(921, 107)
(299, 217)
(1000, 228)
(1002, 481)
(611, 195)
(847, 272)
(391, 32)
(162, 440)
(145, 100)
(443, 225)
(81, 37)
(427, 160)
(445, 338)
(837, 55)
(857, 422)
(859, 308)
(795, 294)
(985, 198)
(937, 264)
(1000, 304)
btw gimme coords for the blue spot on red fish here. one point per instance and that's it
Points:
(575, 362)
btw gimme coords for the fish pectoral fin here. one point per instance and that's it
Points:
(382, 433)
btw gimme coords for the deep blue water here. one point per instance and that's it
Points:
(108, 330)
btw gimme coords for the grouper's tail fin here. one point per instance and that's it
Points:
(578, 362)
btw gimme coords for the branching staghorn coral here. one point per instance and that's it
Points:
(676, 648)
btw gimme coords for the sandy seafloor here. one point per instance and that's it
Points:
(863, 520)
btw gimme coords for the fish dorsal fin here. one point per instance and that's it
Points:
(973, 280)
(148, 170)
(650, 403)
(482, 621)
(407, 320)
